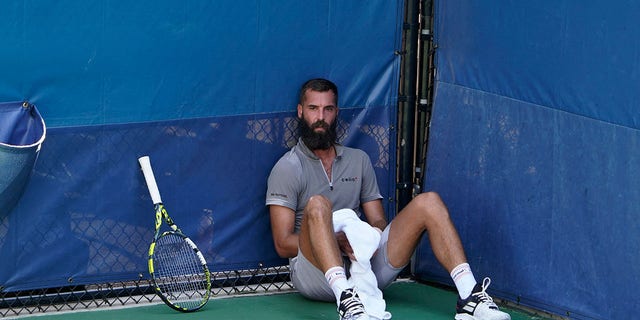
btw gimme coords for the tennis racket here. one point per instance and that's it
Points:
(178, 270)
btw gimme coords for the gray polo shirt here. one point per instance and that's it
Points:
(299, 174)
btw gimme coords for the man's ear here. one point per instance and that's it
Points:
(299, 111)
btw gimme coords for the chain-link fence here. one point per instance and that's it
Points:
(112, 246)
(138, 291)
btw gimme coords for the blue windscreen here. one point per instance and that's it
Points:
(208, 90)
(534, 148)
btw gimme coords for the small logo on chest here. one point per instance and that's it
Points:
(349, 179)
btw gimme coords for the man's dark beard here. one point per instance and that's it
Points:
(317, 140)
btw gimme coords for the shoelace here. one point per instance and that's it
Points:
(483, 296)
(352, 307)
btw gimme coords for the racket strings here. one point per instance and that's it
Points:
(178, 272)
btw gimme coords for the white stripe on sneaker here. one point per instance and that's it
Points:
(470, 307)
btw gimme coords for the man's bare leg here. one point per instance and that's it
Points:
(318, 244)
(317, 239)
(426, 212)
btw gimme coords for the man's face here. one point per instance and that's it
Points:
(318, 115)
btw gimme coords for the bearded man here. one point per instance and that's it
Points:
(319, 176)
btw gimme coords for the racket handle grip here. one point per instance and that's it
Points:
(147, 171)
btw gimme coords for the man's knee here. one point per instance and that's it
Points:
(431, 205)
(318, 201)
(430, 196)
(318, 206)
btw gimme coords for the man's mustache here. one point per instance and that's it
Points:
(320, 124)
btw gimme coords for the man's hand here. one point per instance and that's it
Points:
(343, 244)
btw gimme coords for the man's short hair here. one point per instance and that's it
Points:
(319, 85)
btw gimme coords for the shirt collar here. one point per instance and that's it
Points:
(305, 150)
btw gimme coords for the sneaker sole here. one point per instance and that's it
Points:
(464, 316)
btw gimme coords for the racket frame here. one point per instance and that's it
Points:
(161, 214)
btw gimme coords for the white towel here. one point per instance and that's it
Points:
(364, 240)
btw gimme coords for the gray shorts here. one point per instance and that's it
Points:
(312, 284)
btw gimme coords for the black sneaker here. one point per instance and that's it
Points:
(351, 307)
(479, 305)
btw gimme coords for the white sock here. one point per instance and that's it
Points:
(337, 279)
(464, 280)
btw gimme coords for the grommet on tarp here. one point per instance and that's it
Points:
(22, 131)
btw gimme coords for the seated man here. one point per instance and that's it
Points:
(306, 185)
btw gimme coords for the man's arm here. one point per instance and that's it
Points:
(283, 222)
(375, 214)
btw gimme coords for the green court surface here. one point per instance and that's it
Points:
(405, 300)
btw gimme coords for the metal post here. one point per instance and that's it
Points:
(426, 75)
(407, 105)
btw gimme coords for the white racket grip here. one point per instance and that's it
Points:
(145, 165)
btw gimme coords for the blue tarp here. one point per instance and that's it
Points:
(535, 149)
(208, 89)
